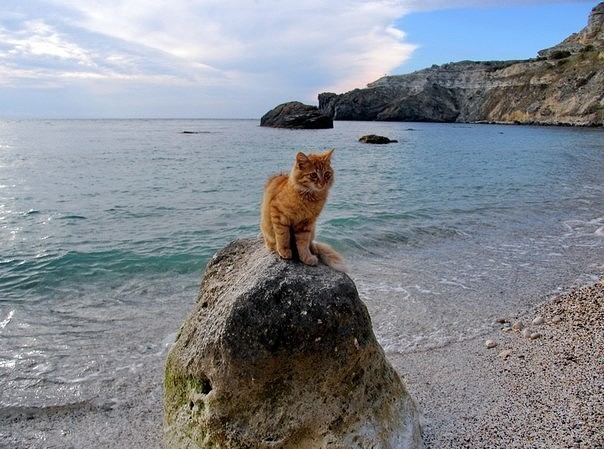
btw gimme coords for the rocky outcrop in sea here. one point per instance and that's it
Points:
(563, 86)
(375, 139)
(277, 354)
(296, 115)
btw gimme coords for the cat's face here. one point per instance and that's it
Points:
(313, 172)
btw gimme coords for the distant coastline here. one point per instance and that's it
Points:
(564, 86)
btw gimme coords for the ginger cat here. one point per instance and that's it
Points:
(290, 208)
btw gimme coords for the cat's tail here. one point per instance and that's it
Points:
(330, 256)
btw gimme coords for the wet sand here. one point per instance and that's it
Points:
(522, 393)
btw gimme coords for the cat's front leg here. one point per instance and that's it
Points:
(311, 245)
(303, 242)
(282, 237)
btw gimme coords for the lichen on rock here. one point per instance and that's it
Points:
(277, 354)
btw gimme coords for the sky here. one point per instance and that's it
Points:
(241, 58)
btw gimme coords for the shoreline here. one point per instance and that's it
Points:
(524, 393)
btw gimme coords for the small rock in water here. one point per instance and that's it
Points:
(538, 321)
(535, 336)
(518, 326)
(526, 333)
(490, 344)
(505, 354)
(373, 138)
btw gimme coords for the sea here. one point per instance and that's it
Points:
(106, 227)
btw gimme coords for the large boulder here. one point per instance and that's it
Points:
(296, 115)
(277, 354)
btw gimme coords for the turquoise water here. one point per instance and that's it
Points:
(106, 226)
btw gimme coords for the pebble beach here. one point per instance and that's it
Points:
(536, 381)
(538, 389)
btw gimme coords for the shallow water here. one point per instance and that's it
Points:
(106, 226)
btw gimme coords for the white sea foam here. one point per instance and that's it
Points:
(8, 364)
(7, 320)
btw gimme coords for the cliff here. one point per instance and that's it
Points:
(563, 86)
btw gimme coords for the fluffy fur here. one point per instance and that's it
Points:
(290, 208)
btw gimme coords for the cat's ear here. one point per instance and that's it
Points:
(301, 160)
(328, 154)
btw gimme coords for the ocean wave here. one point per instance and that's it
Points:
(585, 228)
(72, 217)
(386, 230)
(7, 320)
(50, 270)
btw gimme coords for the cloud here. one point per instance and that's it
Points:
(278, 50)
(340, 41)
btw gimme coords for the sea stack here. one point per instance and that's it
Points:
(296, 115)
(277, 354)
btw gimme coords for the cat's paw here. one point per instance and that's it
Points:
(311, 260)
(285, 254)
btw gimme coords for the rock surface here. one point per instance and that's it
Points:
(373, 138)
(564, 86)
(296, 115)
(277, 354)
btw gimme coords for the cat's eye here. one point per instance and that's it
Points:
(327, 175)
(314, 176)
